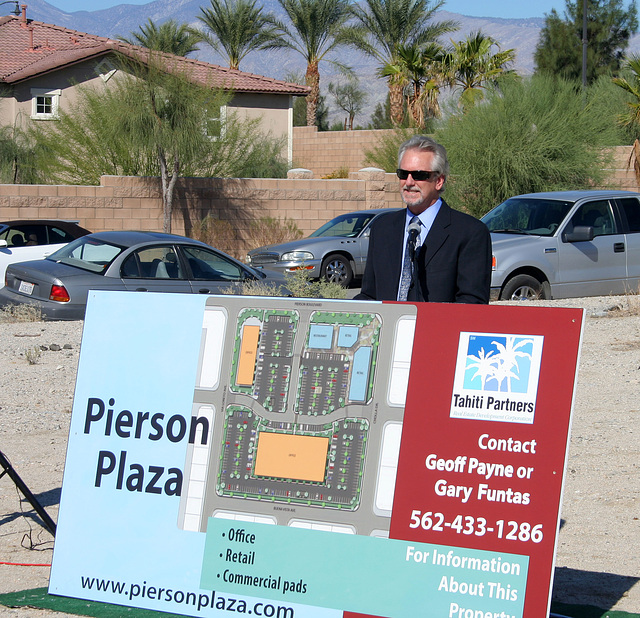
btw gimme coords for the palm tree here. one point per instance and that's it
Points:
(237, 27)
(632, 86)
(317, 30)
(419, 71)
(632, 116)
(472, 66)
(385, 26)
(170, 37)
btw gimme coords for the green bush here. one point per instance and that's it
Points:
(538, 134)
(385, 155)
(298, 283)
(302, 286)
(17, 158)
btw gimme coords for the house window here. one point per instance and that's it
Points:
(215, 124)
(44, 103)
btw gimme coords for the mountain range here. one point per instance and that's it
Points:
(121, 20)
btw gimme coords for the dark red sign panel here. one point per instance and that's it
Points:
(485, 435)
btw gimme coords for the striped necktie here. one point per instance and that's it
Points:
(409, 253)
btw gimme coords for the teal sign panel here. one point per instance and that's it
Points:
(384, 577)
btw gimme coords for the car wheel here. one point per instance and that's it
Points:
(523, 287)
(337, 269)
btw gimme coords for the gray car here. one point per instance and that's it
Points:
(138, 261)
(337, 251)
(565, 244)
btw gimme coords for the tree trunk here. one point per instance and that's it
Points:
(312, 80)
(416, 107)
(168, 189)
(396, 103)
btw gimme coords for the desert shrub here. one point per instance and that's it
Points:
(385, 154)
(301, 286)
(20, 313)
(255, 288)
(224, 235)
(298, 283)
(33, 355)
(272, 230)
(218, 233)
(537, 134)
(342, 172)
(17, 157)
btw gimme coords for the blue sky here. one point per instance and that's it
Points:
(478, 8)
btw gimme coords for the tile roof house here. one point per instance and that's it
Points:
(41, 65)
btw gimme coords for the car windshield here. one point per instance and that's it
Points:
(526, 215)
(348, 226)
(87, 253)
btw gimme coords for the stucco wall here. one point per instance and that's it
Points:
(66, 80)
(273, 110)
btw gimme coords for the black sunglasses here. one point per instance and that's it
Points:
(416, 174)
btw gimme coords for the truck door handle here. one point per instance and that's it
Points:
(618, 247)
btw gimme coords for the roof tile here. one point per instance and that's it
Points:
(30, 48)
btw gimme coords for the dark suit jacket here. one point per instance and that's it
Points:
(454, 263)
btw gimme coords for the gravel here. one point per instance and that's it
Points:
(598, 558)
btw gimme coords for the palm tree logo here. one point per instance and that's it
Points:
(499, 363)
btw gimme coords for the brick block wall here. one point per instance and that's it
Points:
(325, 152)
(619, 175)
(121, 203)
(135, 203)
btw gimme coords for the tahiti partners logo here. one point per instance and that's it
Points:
(496, 377)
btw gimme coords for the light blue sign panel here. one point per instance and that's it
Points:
(383, 577)
(118, 538)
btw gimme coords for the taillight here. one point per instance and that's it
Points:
(59, 293)
(494, 262)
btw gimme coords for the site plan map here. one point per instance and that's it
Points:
(303, 401)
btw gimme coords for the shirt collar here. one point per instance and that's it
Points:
(426, 217)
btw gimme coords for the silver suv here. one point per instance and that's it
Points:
(565, 244)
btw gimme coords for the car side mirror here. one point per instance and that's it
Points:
(3, 244)
(581, 233)
(366, 233)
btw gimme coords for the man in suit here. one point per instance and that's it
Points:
(452, 262)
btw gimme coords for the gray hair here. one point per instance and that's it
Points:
(422, 142)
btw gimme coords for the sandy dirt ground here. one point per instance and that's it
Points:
(598, 557)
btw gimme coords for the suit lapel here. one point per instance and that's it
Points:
(438, 233)
(396, 228)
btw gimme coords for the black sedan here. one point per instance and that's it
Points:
(136, 261)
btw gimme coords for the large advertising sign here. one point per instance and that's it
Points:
(255, 455)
